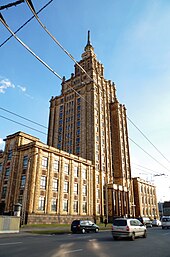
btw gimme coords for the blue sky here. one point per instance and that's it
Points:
(132, 40)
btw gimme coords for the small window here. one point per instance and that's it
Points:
(76, 188)
(75, 206)
(43, 182)
(84, 190)
(66, 186)
(41, 203)
(55, 184)
(4, 190)
(44, 162)
(0, 167)
(66, 168)
(53, 204)
(65, 205)
(56, 165)
(75, 172)
(7, 172)
(25, 161)
(84, 174)
(9, 155)
(84, 207)
(23, 180)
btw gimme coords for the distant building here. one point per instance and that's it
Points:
(166, 208)
(145, 199)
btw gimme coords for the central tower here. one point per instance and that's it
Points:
(87, 120)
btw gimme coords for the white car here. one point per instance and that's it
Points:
(165, 222)
(156, 223)
(131, 228)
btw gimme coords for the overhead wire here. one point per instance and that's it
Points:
(23, 125)
(35, 14)
(29, 2)
(148, 154)
(148, 139)
(28, 49)
(11, 4)
(24, 24)
(30, 5)
(34, 122)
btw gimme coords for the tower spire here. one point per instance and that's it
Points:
(88, 40)
(88, 46)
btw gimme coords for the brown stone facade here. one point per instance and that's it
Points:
(52, 185)
(145, 199)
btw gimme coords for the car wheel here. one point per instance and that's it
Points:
(96, 230)
(145, 235)
(163, 227)
(133, 237)
(115, 238)
(83, 231)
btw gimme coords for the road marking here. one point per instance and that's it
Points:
(11, 243)
(78, 250)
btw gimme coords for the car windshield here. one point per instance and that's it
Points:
(166, 219)
(120, 222)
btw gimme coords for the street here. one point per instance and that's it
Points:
(157, 244)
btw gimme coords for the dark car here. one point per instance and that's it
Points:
(145, 221)
(83, 226)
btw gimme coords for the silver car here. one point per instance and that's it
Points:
(131, 228)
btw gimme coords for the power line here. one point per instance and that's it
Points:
(37, 57)
(23, 125)
(145, 168)
(28, 49)
(11, 4)
(32, 9)
(148, 154)
(23, 117)
(25, 23)
(29, 3)
(148, 139)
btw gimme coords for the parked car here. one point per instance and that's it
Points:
(156, 223)
(165, 222)
(83, 226)
(131, 228)
(145, 221)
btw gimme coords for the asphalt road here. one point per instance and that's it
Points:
(157, 244)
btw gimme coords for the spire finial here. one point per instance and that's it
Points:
(88, 40)
(88, 46)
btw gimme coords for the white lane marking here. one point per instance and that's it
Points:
(78, 250)
(15, 243)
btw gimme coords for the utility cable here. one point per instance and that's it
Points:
(149, 154)
(23, 125)
(147, 139)
(4, 23)
(28, 49)
(36, 56)
(29, 3)
(25, 23)
(152, 171)
(23, 117)
(11, 4)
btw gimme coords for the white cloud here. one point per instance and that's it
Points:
(5, 84)
(23, 89)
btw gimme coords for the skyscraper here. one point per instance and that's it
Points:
(87, 120)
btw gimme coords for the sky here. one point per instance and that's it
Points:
(131, 39)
